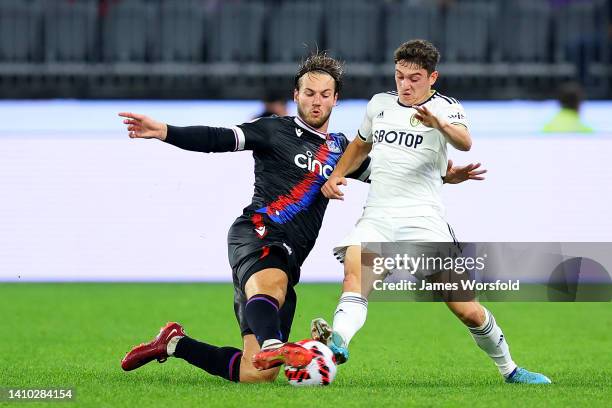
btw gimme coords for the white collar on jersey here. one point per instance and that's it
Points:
(309, 128)
(433, 94)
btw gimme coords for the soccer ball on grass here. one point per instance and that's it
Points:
(320, 371)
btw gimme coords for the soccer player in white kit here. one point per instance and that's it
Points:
(406, 133)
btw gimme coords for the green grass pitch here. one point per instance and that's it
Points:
(60, 335)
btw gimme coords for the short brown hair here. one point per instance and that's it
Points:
(418, 52)
(322, 63)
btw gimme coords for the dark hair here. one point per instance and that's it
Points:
(322, 63)
(570, 95)
(418, 52)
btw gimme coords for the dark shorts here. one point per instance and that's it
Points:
(274, 259)
(250, 253)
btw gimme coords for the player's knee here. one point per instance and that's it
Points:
(277, 292)
(271, 282)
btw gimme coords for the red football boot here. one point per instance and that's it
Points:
(291, 354)
(156, 349)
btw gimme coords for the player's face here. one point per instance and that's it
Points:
(315, 99)
(413, 83)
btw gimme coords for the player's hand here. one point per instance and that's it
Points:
(143, 127)
(331, 190)
(459, 174)
(427, 118)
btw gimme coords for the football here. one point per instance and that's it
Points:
(320, 371)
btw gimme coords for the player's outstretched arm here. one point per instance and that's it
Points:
(204, 139)
(457, 135)
(144, 127)
(459, 174)
(356, 152)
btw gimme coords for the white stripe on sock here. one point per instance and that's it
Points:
(171, 347)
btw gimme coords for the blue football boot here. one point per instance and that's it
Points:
(522, 376)
(322, 331)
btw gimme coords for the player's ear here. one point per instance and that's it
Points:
(295, 94)
(433, 77)
(336, 99)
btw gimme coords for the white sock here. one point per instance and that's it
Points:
(271, 343)
(171, 347)
(492, 341)
(350, 315)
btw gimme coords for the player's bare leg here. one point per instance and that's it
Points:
(248, 372)
(490, 338)
(472, 314)
(266, 292)
(352, 270)
(270, 282)
(351, 312)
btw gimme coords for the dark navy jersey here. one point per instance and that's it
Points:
(292, 162)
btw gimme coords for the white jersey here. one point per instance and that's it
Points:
(408, 158)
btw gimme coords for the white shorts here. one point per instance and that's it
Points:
(375, 226)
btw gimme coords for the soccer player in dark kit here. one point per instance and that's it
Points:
(268, 243)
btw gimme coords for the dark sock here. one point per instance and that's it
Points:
(221, 361)
(261, 313)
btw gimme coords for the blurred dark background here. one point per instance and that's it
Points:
(212, 49)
